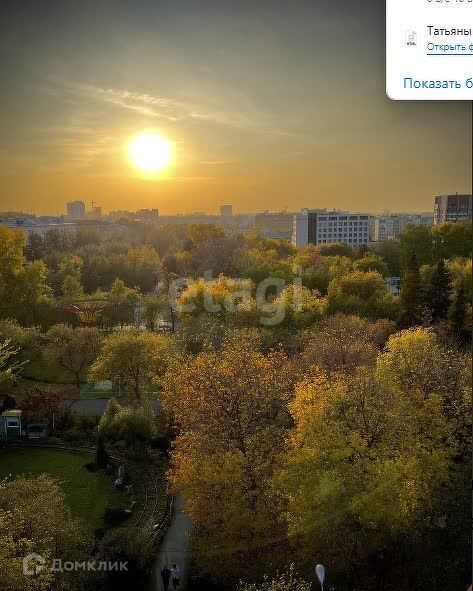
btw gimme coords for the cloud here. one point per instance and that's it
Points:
(244, 117)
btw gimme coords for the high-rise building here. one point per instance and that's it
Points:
(226, 213)
(75, 210)
(391, 225)
(452, 208)
(315, 226)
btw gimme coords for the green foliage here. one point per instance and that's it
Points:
(452, 239)
(152, 310)
(411, 296)
(418, 239)
(457, 314)
(363, 293)
(134, 423)
(372, 262)
(438, 292)
(34, 518)
(133, 360)
(9, 368)
(371, 453)
(74, 349)
(23, 286)
(286, 581)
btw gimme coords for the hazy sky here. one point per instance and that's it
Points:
(267, 105)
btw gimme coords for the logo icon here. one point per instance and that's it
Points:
(411, 38)
(33, 564)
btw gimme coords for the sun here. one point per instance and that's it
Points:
(150, 152)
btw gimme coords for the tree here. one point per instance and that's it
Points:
(343, 343)
(153, 308)
(230, 411)
(133, 359)
(134, 423)
(372, 262)
(438, 292)
(390, 251)
(341, 249)
(23, 285)
(368, 460)
(71, 289)
(69, 277)
(411, 296)
(285, 581)
(74, 349)
(9, 368)
(365, 294)
(452, 239)
(296, 307)
(35, 519)
(123, 300)
(43, 405)
(26, 340)
(416, 238)
(457, 313)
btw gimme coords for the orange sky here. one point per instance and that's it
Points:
(263, 112)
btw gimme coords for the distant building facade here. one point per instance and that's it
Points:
(452, 208)
(391, 225)
(226, 213)
(39, 226)
(322, 227)
(274, 225)
(75, 210)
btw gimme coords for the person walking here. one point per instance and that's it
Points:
(175, 575)
(165, 576)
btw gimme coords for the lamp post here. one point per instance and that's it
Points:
(320, 574)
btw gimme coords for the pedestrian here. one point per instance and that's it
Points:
(165, 576)
(175, 575)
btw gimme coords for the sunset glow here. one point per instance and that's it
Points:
(150, 152)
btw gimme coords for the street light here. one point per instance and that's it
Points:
(320, 574)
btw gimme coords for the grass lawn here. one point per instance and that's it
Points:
(44, 371)
(90, 495)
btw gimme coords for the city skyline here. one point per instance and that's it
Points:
(261, 107)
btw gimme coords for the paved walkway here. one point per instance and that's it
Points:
(174, 549)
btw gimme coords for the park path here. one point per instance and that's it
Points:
(174, 548)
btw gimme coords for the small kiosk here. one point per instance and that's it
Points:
(11, 424)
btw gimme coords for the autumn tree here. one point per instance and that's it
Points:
(34, 518)
(133, 360)
(287, 580)
(343, 343)
(230, 409)
(73, 349)
(370, 457)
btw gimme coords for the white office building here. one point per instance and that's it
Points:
(315, 226)
(391, 225)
